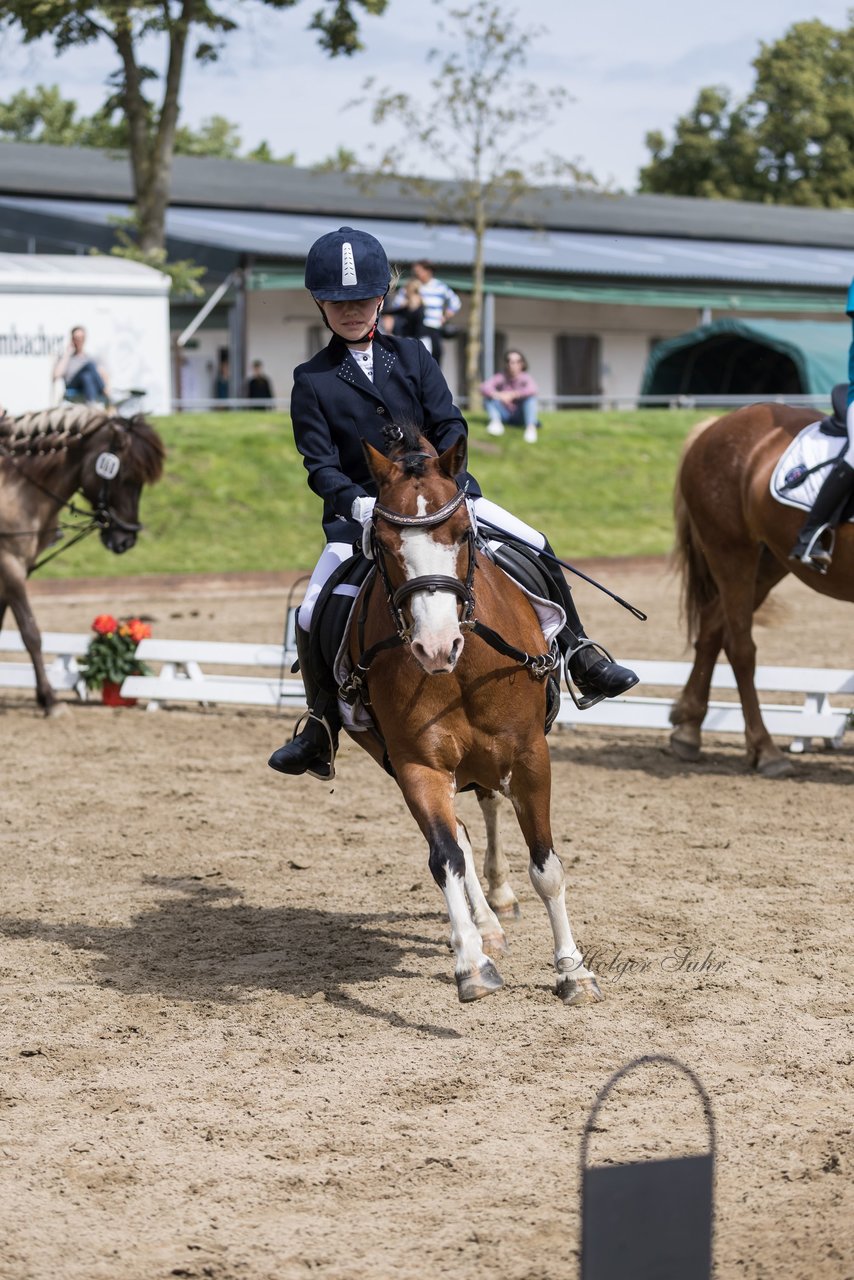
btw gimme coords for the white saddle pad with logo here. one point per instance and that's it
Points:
(795, 482)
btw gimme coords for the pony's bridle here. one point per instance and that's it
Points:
(431, 582)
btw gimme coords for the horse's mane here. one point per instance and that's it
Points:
(405, 444)
(43, 434)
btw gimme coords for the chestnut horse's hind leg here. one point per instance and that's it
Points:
(429, 795)
(499, 895)
(12, 573)
(689, 711)
(492, 937)
(530, 791)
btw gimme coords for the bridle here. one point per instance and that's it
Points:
(539, 665)
(431, 582)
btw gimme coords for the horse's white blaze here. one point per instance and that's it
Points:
(434, 614)
(550, 884)
(465, 939)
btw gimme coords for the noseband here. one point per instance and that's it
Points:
(431, 582)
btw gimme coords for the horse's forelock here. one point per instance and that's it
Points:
(146, 450)
(405, 445)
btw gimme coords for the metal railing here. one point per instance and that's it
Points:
(625, 402)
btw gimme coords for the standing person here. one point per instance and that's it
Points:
(259, 386)
(510, 398)
(439, 301)
(85, 376)
(345, 394)
(838, 482)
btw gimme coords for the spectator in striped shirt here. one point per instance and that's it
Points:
(439, 301)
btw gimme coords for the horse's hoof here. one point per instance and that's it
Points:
(474, 986)
(509, 911)
(57, 709)
(493, 944)
(684, 748)
(579, 991)
(775, 767)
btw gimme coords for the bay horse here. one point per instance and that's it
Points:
(448, 655)
(733, 540)
(45, 459)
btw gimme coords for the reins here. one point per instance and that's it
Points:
(539, 665)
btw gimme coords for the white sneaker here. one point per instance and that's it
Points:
(530, 436)
(495, 428)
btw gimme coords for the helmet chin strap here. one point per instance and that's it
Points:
(366, 337)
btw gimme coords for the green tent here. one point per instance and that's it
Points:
(750, 357)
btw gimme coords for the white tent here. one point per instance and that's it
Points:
(123, 306)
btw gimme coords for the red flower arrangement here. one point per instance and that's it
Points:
(111, 655)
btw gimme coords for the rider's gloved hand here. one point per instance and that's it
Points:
(362, 510)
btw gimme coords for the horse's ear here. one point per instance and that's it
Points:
(380, 467)
(453, 460)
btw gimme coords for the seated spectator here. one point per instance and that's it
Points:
(510, 398)
(259, 386)
(83, 373)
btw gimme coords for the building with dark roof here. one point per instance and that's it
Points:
(585, 283)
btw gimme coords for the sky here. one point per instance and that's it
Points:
(630, 68)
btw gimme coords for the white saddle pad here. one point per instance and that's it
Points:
(794, 481)
(551, 617)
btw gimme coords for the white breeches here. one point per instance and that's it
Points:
(335, 553)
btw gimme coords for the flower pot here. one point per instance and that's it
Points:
(111, 696)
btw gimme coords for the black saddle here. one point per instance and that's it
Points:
(834, 424)
(331, 614)
(525, 567)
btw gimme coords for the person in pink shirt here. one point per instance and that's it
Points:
(510, 398)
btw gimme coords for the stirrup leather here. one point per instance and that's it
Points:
(583, 701)
(321, 720)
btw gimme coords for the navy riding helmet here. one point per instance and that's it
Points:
(347, 264)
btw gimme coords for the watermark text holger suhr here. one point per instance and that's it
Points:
(684, 960)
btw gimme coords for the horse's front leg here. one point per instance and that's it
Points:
(496, 868)
(16, 596)
(429, 795)
(530, 790)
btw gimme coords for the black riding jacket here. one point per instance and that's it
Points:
(334, 406)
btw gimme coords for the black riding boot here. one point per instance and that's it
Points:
(591, 668)
(313, 749)
(825, 514)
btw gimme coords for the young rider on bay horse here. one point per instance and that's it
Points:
(837, 484)
(363, 380)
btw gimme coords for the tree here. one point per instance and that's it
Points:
(189, 28)
(478, 127)
(790, 142)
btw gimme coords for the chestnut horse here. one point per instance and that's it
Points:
(449, 657)
(732, 544)
(45, 459)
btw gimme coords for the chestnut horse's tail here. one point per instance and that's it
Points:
(698, 585)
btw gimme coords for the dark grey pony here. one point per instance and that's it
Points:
(47, 458)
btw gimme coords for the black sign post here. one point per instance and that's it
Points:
(650, 1220)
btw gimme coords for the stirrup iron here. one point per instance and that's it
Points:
(324, 723)
(584, 701)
